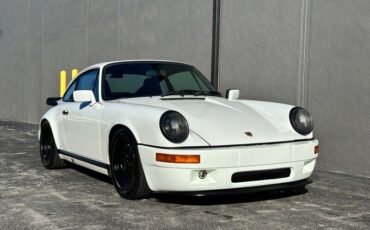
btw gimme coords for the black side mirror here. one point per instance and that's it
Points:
(53, 101)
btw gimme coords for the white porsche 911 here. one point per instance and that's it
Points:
(159, 126)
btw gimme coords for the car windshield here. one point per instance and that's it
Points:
(142, 79)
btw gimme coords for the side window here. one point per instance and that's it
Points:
(86, 81)
(96, 89)
(68, 96)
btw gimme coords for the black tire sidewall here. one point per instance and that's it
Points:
(120, 137)
(46, 130)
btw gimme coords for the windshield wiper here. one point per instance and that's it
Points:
(181, 92)
(208, 93)
(192, 92)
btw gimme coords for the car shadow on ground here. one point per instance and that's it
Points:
(185, 199)
(91, 173)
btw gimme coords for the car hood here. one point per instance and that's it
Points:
(221, 122)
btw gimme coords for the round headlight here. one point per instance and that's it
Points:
(174, 126)
(301, 120)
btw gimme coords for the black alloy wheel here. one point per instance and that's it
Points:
(48, 150)
(126, 169)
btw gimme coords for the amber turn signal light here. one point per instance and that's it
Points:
(182, 159)
(317, 149)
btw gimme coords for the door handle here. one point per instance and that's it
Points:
(65, 112)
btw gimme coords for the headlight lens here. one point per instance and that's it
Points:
(301, 120)
(174, 126)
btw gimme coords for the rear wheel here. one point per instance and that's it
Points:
(126, 168)
(48, 150)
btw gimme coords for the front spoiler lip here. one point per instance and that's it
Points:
(242, 191)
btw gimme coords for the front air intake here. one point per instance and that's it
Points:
(260, 175)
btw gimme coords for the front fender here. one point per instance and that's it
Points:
(54, 118)
(143, 121)
(277, 112)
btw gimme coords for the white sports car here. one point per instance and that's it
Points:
(159, 126)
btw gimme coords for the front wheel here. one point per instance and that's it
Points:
(126, 169)
(48, 150)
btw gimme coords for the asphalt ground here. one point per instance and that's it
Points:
(32, 197)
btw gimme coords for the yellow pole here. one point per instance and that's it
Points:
(74, 73)
(63, 82)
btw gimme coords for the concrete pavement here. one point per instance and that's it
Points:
(32, 197)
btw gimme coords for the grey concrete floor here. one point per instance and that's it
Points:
(32, 197)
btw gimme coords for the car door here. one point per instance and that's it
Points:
(81, 120)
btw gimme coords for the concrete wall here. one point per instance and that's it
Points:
(339, 83)
(41, 37)
(311, 53)
(260, 48)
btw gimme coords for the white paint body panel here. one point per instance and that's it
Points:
(213, 121)
(82, 129)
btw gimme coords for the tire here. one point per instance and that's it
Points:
(126, 168)
(48, 150)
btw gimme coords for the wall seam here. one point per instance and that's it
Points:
(87, 33)
(118, 30)
(216, 14)
(308, 52)
(42, 52)
(303, 64)
(26, 98)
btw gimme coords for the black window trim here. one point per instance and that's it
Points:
(78, 76)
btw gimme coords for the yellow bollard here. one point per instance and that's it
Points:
(63, 82)
(74, 73)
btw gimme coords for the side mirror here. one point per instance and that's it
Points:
(84, 96)
(232, 94)
(53, 101)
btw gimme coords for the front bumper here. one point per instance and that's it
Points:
(222, 162)
(242, 191)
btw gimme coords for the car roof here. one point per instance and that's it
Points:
(102, 64)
